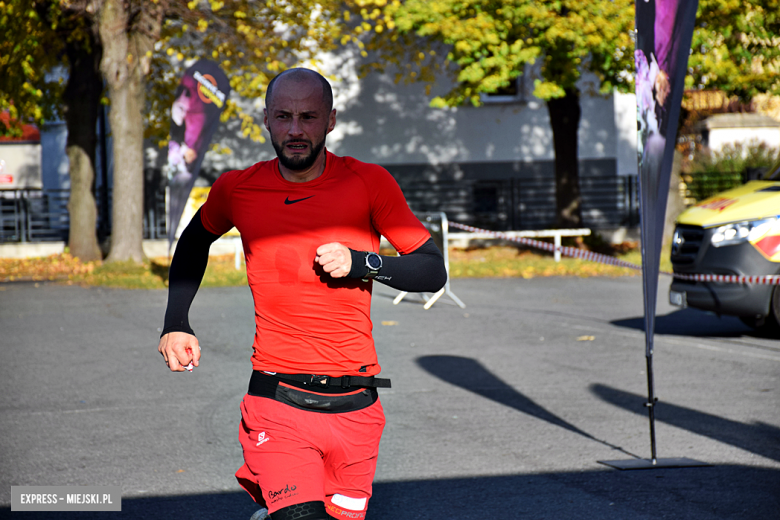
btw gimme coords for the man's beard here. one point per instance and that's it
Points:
(298, 162)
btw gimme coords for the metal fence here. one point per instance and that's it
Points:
(34, 215)
(702, 185)
(500, 205)
(527, 203)
(42, 215)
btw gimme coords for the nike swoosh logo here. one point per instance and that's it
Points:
(288, 201)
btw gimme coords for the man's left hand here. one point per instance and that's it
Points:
(335, 259)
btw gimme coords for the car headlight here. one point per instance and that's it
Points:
(738, 232)
(677, 241)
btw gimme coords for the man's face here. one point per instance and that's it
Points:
(298, 121)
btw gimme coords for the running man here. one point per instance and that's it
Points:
(310, 223)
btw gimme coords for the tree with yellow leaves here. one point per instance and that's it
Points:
(736, 48)
(489, 44)
(37, 36)
(147, 39)
(144, 45)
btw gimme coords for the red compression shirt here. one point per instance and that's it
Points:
(306, 321)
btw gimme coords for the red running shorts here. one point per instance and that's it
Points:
(292, 456)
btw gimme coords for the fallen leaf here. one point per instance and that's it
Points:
(389, 323)
(586, 338)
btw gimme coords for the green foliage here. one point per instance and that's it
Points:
(712, 172)
(704, 184)
(27, 50)
(484, 45)
(33, 36)
(736, 47)
(252, 42)
(487, 44)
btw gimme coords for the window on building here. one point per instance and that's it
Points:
(512, 93)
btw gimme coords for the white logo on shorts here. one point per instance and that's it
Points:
(355, 504)
(262, 438)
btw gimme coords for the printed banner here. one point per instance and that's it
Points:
(199, 101)
(664, 29)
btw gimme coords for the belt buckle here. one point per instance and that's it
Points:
(320, 380)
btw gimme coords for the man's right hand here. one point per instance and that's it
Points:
(179, 349)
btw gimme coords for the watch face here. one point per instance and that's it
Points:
(373, 261)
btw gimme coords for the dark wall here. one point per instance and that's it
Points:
(516, 195)
(510, 195)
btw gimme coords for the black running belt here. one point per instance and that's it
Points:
(343, 382)
(317, 399)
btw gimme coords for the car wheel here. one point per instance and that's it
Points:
(774, 310)
(769, 324)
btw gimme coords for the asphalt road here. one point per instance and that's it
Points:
(499, 410)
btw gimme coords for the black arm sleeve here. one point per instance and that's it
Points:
(186, 272)
(422, 270)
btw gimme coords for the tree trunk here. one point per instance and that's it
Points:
(125, 79)
(81, 104)
(565, 121)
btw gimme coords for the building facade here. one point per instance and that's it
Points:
(491, 166)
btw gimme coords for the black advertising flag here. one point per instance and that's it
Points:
(664, 29)
(199, 101)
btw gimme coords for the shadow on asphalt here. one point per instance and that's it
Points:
(720, 492)
(759, 438)
(470, 375)
(696, 323)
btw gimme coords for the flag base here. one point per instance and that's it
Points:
(681, 462)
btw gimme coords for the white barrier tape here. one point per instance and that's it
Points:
(611, 260)
(728, 278)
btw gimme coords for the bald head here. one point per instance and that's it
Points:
(300, 76)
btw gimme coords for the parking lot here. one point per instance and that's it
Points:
(499, 410)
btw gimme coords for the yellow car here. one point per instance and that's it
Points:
(736, 232)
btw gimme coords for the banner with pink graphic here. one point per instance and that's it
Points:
(200, 98)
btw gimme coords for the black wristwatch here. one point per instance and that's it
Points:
(373, 264)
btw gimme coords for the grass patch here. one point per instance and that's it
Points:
(55, 267)
(492, 262)
(152, 274)
(128, 275)
(511, 262)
